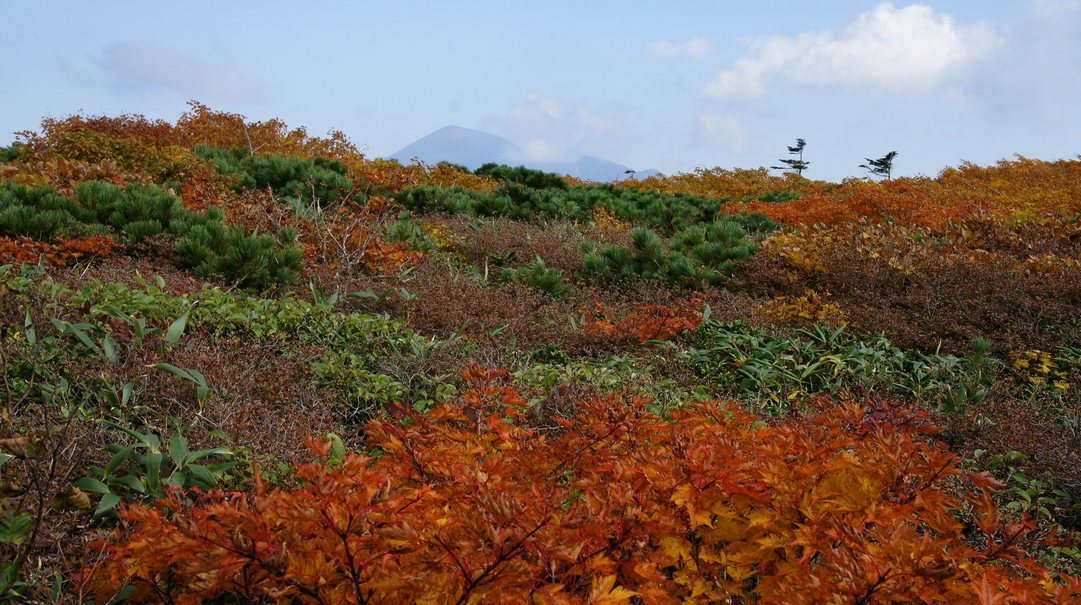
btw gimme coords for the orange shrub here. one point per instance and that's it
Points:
(645, 322)
(64, 252)
(736, 183)
(1013, 191)
(850, 504)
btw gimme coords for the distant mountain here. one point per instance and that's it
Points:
(585, 167)
(474, 148)
(645, 174)
(465, 146)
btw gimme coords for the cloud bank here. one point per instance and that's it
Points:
(695, 48)
(149, 67)
(553, 130)
(910, 50)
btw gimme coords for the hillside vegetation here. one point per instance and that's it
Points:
(243, 364)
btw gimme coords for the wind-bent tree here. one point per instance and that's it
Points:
(883, 166)
(798, 164)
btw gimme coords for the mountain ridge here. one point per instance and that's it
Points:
(473, 148)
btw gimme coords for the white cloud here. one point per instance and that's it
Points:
(695, 48)
(147, 66)
(545, 151)
(907, 50)
(1056, 8)
(553, 130)
(724, 131)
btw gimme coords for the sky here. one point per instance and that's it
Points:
(665, 85)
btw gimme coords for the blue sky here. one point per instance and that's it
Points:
(667, 85)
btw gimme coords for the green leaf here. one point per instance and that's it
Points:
(109, 347)
(90, 484)
(9, 572)
(148, 440)
(200, 454)
(131, 482)
(15, 529)
(106, 505)
(178, 449)
(153, 472)
(337, 447)
(176, 329)
(364, 294)
(202, 476)
(118, 458)
(175, 371)
(125, 394)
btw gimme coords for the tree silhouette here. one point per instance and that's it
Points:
(798, 164)
(883, 166)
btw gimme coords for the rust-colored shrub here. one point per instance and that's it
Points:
(847, 504)
(63, 252)
(644, 322)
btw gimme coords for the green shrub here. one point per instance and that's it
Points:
(315, 180)
(527, 195)
(137, 211)
(37, 212)
(536, 275)
(776, 369)
(528, 177)
(211, 248)
(699, 255)
(10, 153)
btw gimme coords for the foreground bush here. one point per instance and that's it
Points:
(846, 504)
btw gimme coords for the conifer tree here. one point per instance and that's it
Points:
(798, 164)
(883, 166)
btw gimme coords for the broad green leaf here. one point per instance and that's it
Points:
(131, 482)
(148, 440)
(108, 346)
(118, 458)
(106, 505)
(176, 329)
(200, 454)
(9, 572)
(153, 472)
(202, 476)
(90, 484)
(178, 449)
(14, 529)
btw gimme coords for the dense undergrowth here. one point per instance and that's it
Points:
(720, 386)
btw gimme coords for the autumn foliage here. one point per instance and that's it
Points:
(845, 504)
(644, 322)
(1010, 191)
(63, 252)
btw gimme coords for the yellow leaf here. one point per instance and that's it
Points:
(604, 591)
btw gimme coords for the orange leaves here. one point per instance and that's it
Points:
(1013, 191)
(63, 252)
(646, 322)
(470, 505)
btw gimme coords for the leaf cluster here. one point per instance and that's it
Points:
(466, 505)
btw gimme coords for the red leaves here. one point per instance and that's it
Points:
(468, 505)
(63, 252)
(646, 322)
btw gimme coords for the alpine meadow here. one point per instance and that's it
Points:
(243, 364)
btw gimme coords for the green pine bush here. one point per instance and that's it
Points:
(696, 256)
(314, 180)
(537, 276)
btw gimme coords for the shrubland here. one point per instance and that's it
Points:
(245, 364)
